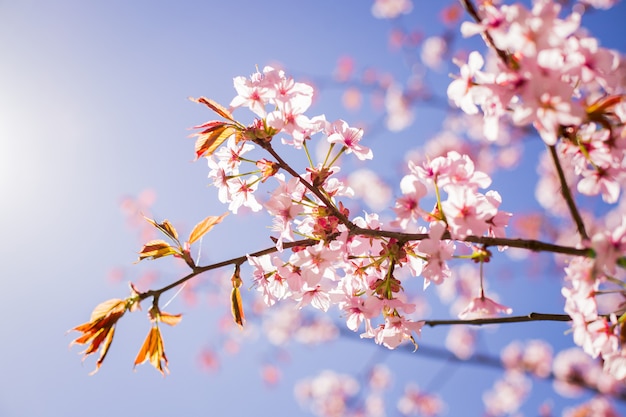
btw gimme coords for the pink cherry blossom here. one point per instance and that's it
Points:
(396, 330)
(242, 192)
(436, 252)
(407, 207)
(467, 212)
(465, 90)
(609, 246)
(507, 394)
(483, 307)
(389, 9)
(416, 402)
(349, 137)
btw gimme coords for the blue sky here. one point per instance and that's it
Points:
(93, 107)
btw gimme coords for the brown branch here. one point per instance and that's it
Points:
(284, 165)
(567, 195)
(234, 261)
(533, 245)
(503, 55)
(498, 320)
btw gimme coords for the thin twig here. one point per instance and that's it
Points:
(497, 320)
(471, 10)
(567, 195)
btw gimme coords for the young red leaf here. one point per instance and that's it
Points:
(208, 142)
(156, 249)
(153, 351)
(165, 227)
(215, 106)
(210, 125)
(204, 226)
(236, 306)
(157, 315)
(170, 319)
(99, 331)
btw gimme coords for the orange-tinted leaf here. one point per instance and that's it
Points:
(113, 306)
(210, 125)
(99, 331)
(603, 104)
(165, 227)
(170, 319)
(156, 249)
(204, 226)
(157, 315)
(171, 231)
(207, 143)
(236, 306)
(215, 106)
(152, 351)
(104, 350)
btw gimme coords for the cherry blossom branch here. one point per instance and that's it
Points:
(315, 190)
(532, 245)
(497, 320)
(567, 195)
(471, 10)
(234, 261)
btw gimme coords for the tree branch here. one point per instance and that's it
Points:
(497, 320)
(471, 10)
(567, 195)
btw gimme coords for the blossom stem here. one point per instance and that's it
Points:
(471, 10)
(567, 195)
(497, 320)
(284, 165)
(308, 154)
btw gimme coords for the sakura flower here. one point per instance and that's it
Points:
(407, 207)
(396, 330)
(433, 50)
(389, 9)
(416, 402)
(457, 169)
(461, 341)
(597, 407)
(341, 132)
(290, 118)
(437, 252)
(615, 364)
(465, 91)
(317, 296)
(546, 102)
(398, 108)
(609, 246)
(327, 394)
(219, 178)
(252, 93)
(268, 280)
(482, 307)
(507, 394)
(467, 212)
(360, 309)
(242, 193)
(229, 156)
(602, 181)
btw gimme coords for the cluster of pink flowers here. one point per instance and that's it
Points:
(556, 77)
(355, 271)
(598, 335)
(547, 72)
